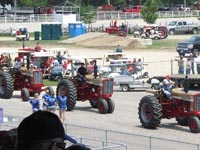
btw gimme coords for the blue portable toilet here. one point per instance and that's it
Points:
(76, 29)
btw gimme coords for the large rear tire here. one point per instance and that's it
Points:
(194, 124)
(150, 112)
(70, 91)
(6, 85)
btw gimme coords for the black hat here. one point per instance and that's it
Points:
(40, 125)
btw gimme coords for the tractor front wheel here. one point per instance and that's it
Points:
(150, 112)
(25, 94)
(194, 124)
(102, 106)
(111, 105)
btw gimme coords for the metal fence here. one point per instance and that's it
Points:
(108, 15)
(101, 139)
(131, 15)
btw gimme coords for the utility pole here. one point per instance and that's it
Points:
(15, 6)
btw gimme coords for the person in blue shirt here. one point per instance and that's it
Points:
(62, 103)
(118, 49)
(35, 102)
(52, 103)
(45, 98)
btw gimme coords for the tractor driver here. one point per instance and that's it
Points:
(168, 84)
(82, 71)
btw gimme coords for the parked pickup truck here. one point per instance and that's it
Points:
(182, 27)
(190, 46)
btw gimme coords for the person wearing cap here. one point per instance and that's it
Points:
(167, 86)
(62, 103)
(42, 130)
(35, 102)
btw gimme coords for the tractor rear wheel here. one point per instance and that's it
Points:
(150, 112)
(25, 94)
(194, 124)
(70, 91)
(111, 105)
(182, 121)
(102, 106)
(6, 85)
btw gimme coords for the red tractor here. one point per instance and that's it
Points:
(98, 91)
(26, 79)
(184, 106)
(119, 30)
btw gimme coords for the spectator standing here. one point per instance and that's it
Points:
(192, 63)
(62, 103)
(35, 102)
(45, 99)
(197, 60)
(188, 66)
(180, 65)
(59, 58)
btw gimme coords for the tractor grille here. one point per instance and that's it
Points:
(108, 86)
(37, 77)
(197, 103)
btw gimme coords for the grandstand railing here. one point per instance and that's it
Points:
(102, 139)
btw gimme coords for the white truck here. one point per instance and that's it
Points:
(182, 27)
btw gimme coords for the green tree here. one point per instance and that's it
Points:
(149, 11)
(87, 14)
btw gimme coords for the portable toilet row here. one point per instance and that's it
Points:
(51, 31)
(76, 29)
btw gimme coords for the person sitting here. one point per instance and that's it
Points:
(82, 71)
(38, 47)
(168, 84)
(42, 130)
(119, 49)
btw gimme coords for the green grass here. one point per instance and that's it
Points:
(50, 83)
(164, 43)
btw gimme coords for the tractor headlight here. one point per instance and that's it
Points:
(190, 46)
(93, 89)
(26, 80)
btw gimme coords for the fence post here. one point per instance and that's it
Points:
(150, 143)
(172, 67)
(106, 136)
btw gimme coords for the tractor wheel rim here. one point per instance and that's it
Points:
(146, 112)
(193, 125)
(100, 107)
